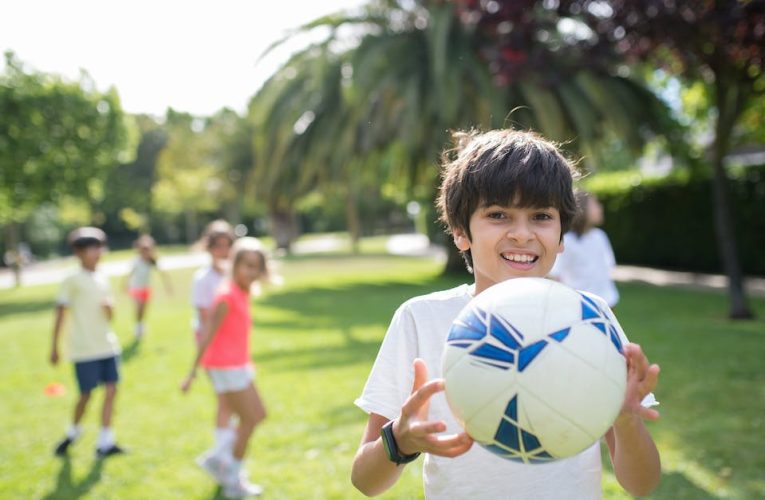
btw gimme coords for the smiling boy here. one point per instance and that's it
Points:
(506, 197)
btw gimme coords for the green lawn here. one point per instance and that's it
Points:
(314, 341)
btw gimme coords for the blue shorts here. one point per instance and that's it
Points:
(92, 373)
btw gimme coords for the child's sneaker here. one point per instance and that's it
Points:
(114, 449)
(241, 488)
(213, 464)
(62, 447)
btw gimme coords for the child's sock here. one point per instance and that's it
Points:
(224, 438)
(139, 329)
(105, 438)
(74, 432)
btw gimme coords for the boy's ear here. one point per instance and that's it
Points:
(461, 241)
(561, 246)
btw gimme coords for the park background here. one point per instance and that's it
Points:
(662, 102)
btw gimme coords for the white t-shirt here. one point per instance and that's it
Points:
(586, 264)
(90, 335)
(140, 274)
(205, 282)
(419, 328)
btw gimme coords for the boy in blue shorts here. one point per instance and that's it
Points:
(507, 199)
(91, 343)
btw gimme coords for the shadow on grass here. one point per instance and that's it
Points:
(336, 310)
(132, 350)
(711, 372)
(217, 494)
(26, 307)
(677, 486)
(66, 488)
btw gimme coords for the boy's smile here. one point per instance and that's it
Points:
(510, 242)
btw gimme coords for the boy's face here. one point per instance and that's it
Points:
(511, 242)
(89, 256)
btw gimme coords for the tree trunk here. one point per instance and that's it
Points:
(729, 101)
(192, 229)
(13, 257)
(352, 219)
(283, 228)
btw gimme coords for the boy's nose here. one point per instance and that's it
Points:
(520, 232)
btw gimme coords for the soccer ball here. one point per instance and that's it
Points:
(534, 370)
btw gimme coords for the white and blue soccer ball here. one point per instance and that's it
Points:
(534, 370)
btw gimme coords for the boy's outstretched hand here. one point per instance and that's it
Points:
(642, 378)
(414, 433)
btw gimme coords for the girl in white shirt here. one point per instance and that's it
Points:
(587, 259)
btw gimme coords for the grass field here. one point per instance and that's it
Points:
(314, 341)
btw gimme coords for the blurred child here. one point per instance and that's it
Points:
(138, 280)
(217, 240)
(91, 343)
(506, 198)
(587, 259)
(224, 351)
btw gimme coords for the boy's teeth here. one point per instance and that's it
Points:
(518, 258)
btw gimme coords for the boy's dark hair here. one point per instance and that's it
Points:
(581, 222)
(503, 167)
(86, 236)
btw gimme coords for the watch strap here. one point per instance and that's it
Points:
(391, 447)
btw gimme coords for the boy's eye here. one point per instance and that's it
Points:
(496, 215)
(543, 216)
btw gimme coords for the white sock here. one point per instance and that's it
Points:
(224, 438)
(139, 328)
(105, 438)
(74, 432)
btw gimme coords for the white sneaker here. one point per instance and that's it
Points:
(241, 488)
(215, 465)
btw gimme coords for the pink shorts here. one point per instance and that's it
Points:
(141, 294)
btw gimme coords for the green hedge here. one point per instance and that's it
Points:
(669, 223)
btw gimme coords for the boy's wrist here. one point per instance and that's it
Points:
(395, 455)
(626, 421)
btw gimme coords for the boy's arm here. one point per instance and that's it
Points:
(58, 322)
(208, 333)
(373, 472)
(636, 461)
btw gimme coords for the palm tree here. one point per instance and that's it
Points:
(416, 72)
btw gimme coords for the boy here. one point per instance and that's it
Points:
(507, 199)
(92, 345)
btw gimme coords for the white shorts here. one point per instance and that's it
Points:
(231, 379)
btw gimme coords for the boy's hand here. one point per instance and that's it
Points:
(107, 308)
(414, 433)
(642, 378)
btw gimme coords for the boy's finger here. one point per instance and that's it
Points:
(450, 445)
(425, 428)
(421, 396)
(457, 450)
(420, 374)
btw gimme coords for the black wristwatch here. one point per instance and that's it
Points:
(391, 448)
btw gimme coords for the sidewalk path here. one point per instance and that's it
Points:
(401, 244)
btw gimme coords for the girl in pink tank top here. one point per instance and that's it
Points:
(224, 351)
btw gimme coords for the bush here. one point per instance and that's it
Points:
(669, 222)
